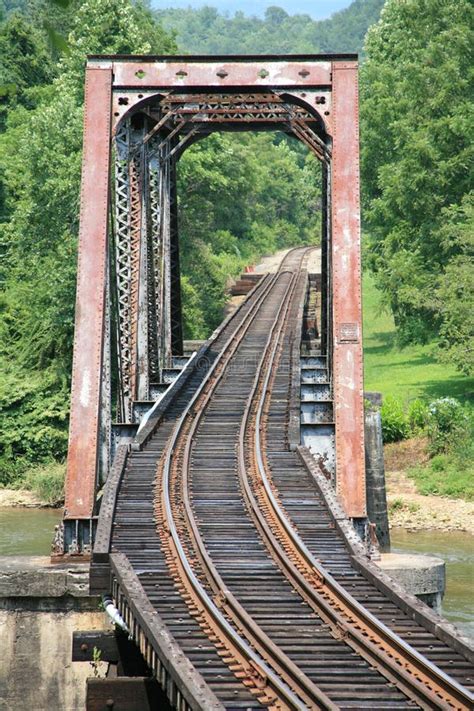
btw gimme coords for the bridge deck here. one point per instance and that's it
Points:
(227, 564)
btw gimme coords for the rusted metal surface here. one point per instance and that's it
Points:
(346, 292)
(218, 74)
(176, 317)
(304, 96)
(193, 502)
(146, 272)
(136, 256)
(90, 305)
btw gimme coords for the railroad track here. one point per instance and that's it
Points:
(238, 553)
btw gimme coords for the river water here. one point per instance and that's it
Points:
(26, 531)
(456, 548)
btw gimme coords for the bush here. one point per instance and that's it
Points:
(445, 475)
(417, 416)
(450, 469)
(396, 505)
(395, 426)
(47, 482)
(448, 425)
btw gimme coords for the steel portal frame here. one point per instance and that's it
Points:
(140, 114)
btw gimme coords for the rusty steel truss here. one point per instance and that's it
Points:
(140, 114)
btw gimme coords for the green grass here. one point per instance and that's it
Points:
(446, 475)
(405, 373)
(47, 482)
(414, 372)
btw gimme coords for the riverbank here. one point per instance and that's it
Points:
(410, 510)
(12, 498)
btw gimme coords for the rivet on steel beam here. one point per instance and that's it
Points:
(263, 73)
(181, 73)
(303, 73)
(140, 74)
(84, 647)
(222, 73)
(123, 100)
(109, 703)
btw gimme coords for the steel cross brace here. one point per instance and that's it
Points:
(128, 312)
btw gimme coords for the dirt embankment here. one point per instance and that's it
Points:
(409, 509)
(19, 497)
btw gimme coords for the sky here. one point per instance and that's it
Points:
(317, 9)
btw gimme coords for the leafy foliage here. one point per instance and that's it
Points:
(242, 196)
(448, 425)
(455, 287)
(9, 6)
(449, 472)
(40, 156)
(207, 31)
(395, 424)
(417, 145)
(447, 475)
(47, 482)
(417, 416)
(26, 62)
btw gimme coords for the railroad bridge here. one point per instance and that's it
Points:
(221, 494)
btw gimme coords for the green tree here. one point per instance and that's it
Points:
(26, 62)
(40, 157)
(416, 90)
(206, 31)
(241, 195)
(455, 286)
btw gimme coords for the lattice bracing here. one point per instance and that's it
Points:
(123, 268)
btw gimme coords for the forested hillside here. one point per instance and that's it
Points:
(207, 31)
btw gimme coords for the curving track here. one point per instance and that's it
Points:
(221, 530)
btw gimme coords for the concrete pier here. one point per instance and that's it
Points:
(422, 575)
(377, 511)
(40, 606)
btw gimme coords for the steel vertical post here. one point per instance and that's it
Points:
(165, 231)
(83, 453)
(322, 327)
(346, 286)
(175, 286)
(143, 370)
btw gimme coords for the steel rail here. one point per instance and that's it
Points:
(419, 678)
(238, 648)
(311, 696)
(147, 628)
(248, 673)
(227, 601)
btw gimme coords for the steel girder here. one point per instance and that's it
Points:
(140, 115)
